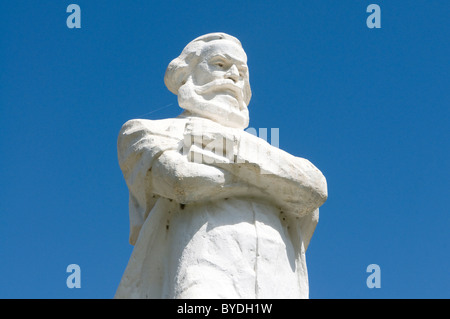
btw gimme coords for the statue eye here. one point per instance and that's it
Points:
(220, 64)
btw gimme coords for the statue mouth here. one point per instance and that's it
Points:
(223, 86)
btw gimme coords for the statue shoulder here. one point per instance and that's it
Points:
(141, 135)
(140, 126)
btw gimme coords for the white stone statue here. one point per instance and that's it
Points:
(215, 212)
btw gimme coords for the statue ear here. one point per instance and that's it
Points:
(179, 70)
(176, 75)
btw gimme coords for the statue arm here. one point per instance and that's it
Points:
(290, 191)
(185, 181)
(152, 164)
(293, 183)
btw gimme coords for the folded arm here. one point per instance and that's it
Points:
(179, 179)
(152, 163)
(292, 183)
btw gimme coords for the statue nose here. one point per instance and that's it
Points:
(233, 73)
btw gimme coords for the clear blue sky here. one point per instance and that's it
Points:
(369, 107)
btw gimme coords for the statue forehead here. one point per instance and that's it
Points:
(226, 48)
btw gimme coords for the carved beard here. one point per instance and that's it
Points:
(214, 101)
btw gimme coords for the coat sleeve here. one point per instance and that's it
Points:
(139, 144)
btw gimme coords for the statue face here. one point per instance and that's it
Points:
(215, 88)
(222, 73)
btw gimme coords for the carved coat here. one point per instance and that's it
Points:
(234, 247)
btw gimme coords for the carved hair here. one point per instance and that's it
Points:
(180, 68)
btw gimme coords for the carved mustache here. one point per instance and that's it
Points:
(221, 84)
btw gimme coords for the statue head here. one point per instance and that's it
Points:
(211, 79)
